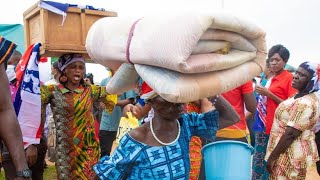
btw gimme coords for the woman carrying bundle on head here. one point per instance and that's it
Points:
(159, 149)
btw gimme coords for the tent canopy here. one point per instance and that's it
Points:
(14, 33)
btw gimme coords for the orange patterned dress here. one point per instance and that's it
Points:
(195, 147)
(77, 148)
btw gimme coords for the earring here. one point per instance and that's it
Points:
(63, 79)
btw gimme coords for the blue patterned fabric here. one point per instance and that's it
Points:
(259, 171)
(136, 160)
(261, 111)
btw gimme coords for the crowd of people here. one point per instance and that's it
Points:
(277, 113)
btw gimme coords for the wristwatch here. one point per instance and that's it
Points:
(26, 173)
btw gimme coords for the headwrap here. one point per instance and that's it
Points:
(146, 93)
(67, 59)
(314, 84)
(6, 50)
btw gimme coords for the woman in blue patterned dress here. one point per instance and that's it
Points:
(159, 149)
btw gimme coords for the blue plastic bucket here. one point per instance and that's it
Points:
(227, 160)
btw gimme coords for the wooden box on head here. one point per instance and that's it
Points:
(46, 27)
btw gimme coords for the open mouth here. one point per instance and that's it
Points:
(77, 77)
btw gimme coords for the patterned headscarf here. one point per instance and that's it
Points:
(314, 84)
(67, 59)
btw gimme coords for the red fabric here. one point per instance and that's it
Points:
(96, 129)
(39, 132)
(191, 107)
(145, 88)
(281, 87)
(43, 59)
(234, 97)
(22, 65)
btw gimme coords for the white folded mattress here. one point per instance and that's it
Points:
(184, 57)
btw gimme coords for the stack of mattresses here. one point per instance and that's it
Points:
(183, 58)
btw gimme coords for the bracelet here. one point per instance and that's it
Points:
(214, 99)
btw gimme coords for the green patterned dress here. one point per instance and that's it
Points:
(77, 148)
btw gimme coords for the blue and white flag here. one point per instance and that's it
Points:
(58, 8)
(62, 8)
(28, 99)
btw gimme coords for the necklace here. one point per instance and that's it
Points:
(165, 144)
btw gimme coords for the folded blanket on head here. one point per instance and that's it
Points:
(184, 57)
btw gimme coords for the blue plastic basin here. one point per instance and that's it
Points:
(227, 160)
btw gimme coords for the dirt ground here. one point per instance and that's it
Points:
(312, 174)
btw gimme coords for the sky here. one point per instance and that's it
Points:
(293, 23)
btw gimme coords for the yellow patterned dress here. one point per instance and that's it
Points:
(77, 148)
(301, 114)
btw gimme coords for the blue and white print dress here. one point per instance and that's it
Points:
(136, 160)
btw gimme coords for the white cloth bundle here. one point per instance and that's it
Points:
(179, 56)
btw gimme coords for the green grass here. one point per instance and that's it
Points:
(2, 174)
(49, 173)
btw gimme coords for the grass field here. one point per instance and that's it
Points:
(50, 173)
(1, 175)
